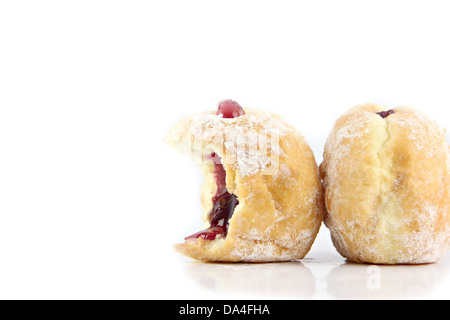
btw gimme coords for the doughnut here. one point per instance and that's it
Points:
(386, 179)
(262, 195)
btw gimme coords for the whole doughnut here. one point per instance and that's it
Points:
(386, 179)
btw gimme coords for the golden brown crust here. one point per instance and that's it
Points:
(387, 186)
(280, 194)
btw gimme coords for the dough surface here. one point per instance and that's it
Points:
(272, 171)
(386, 186)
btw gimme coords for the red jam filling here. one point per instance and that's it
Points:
(230, 109)
(385, 114)
(224, 202)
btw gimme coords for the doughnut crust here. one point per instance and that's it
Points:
(387, 186)
(276, 181)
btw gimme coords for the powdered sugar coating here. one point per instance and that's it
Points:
(250, 143)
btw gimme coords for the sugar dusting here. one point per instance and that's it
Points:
(250, 143)
(425, 133)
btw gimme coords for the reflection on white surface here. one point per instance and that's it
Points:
(363, 281)
(290, 280)
(317, 279)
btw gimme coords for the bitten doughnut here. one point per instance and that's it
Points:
(262, 195)
(386, 178)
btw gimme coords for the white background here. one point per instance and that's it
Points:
(91, 200)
